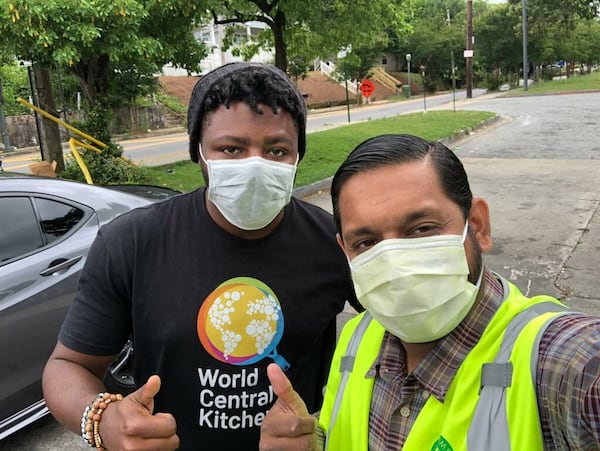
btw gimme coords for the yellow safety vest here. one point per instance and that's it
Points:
(490, 404)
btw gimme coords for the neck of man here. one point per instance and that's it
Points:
(415, 353)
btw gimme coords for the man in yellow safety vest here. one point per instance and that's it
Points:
(448, 355)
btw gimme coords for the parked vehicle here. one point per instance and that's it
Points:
(46, 228)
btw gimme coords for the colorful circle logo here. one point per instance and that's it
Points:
(241, 322)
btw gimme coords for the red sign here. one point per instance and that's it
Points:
(366, 87)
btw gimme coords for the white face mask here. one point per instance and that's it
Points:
(417, 288)
(250, 192)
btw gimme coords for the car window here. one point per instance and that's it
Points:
(19, 229)
(28, 224)
(57, 219)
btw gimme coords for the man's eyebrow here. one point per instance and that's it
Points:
(401, 223)
(358, 232)
(420, 214)
(232, 138)
(284, 137)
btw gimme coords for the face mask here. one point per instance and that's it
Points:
(250, 192)
(417, 288)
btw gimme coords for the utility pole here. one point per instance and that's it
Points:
(525, 62)
(469, 50)
(452, 64)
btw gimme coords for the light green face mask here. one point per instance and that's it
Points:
(417, 288)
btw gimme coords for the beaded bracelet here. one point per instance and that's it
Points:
(90, 421)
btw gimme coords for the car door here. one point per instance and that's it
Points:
(43, 245)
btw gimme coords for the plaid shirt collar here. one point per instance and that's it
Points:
(437, 370)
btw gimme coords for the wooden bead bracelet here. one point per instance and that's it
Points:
(90, 421)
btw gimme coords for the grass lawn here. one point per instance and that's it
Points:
(327, 149)
(585, 82)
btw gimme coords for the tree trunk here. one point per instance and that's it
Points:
(280, 49)
(52, 147)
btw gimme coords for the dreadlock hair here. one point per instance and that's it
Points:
(251, 83)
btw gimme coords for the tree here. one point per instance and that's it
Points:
(90, 37)
(551, 23)
(563, 10)
(15, 84)
(433, 39)
(93, 39)
(499, 47)
(333, 24)
(584, 43)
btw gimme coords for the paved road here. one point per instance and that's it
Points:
(539, 169)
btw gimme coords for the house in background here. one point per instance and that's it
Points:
(213, 36)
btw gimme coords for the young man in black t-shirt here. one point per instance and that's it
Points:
(213, 285)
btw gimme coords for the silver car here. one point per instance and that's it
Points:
(46, 228)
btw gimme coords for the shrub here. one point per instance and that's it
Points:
(106, 168)
(493, 82)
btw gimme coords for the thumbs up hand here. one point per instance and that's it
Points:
(287, 426)
(132, 424)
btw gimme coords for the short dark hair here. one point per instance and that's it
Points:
(385, 150)
(251, 83)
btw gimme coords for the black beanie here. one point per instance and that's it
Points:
(206, 82)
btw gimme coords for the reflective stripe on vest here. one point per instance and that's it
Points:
(490, 427)
(335, 404)
(345, 418)
(346, 367)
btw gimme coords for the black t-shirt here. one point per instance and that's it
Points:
(209, 311)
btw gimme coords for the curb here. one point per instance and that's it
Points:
(308, 190)
(462, 134)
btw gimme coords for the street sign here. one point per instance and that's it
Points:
(366, 87)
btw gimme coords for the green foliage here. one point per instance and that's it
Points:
(170, 102)
(432, 40)
(128, 83)
(106, 168)
(100, 38)
(583, 44)
(551, 24)
(359, 62)
(562, 10)
(332, 24)
(14, 84)
(96, 123)
(239, 44)
(104, 43)
(493, 81)
(498, 46)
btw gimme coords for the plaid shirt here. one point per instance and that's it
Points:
(568, 377)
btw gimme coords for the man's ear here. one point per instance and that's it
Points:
(479, 223)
